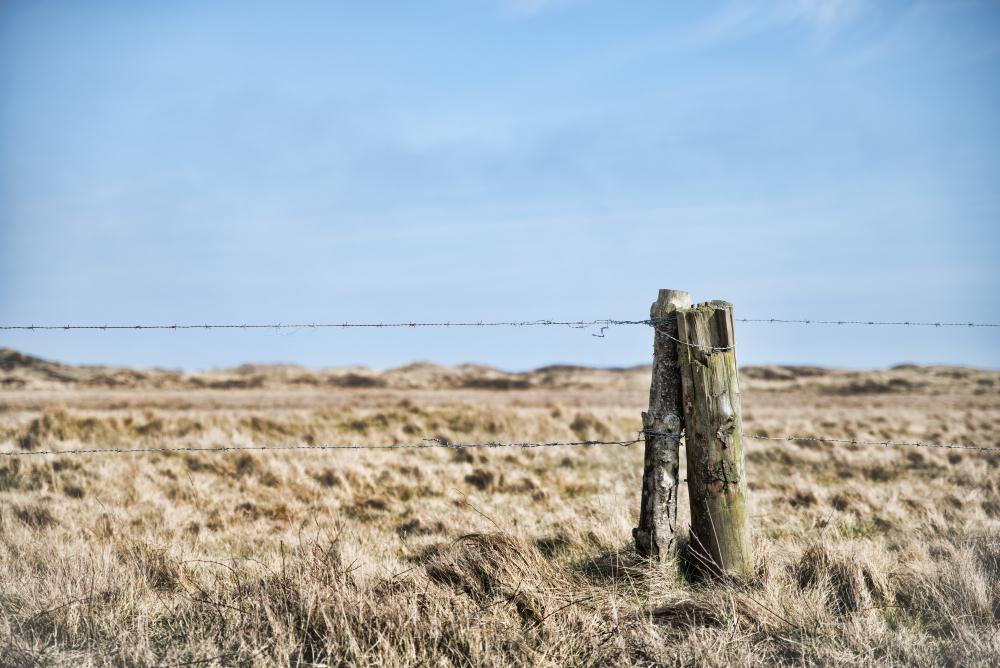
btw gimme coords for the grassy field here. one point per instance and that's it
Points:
(865, 555)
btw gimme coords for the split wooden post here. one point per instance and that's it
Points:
(716, 474)
(663, 422)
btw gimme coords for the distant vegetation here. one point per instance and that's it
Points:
(489, 558)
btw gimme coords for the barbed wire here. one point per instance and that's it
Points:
(440, 443)
(430, 443)
(602, 325)
(885, 323)
(698, 346)
(885, 443)
(578, 324)
(848, 441)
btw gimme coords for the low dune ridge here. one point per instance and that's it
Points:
(21, 371)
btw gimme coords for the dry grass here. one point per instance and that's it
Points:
(865, 555)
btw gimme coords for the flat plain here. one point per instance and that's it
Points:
(434, 557)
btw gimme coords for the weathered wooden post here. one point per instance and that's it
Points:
(713, 437)
(663, 422)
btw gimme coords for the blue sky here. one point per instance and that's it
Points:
(492, 159)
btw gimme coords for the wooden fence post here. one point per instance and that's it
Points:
(663, 422)
(717, 485)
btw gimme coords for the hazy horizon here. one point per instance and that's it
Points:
(417, 361)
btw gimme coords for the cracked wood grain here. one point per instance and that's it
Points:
(717, 486)
(663, 424)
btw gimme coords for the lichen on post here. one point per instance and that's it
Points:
(716, 473)
(662, 424)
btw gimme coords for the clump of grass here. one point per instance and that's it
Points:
(417, 527)
(10, 476)
(268, 427)
(694, 613)
(481, 479)
(327, 478)
(154, 565)
(58, 425)
(588, 426)
(35, 516)
(497, 568)
(74, 491)
(850, 582)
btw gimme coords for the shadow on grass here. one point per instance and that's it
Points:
(620, 566)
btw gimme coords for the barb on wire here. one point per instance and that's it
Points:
(429, 443)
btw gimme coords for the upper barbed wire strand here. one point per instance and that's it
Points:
(344, 325)
(889, 323)
(576, 324)
(580, 324)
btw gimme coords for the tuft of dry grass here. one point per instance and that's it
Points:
(848, 583)
(405, 558)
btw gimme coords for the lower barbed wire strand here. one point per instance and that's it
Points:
(437, 443)
(886, 443)
(432, 443)
(848, 441)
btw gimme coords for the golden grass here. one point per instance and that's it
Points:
(500, 557)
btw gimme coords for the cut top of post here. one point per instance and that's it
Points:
(669, 301)
(720, 329)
